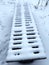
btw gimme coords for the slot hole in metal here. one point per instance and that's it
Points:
(32, 42)
(17, 39)
(16, 48)
(36, 52)
(35, 47)
(29, 27)
(18, 31)
(27, 24)
(15, 43)
(31, 33)
(31, 38)
(17, 34)
(29, 30)
(18, 25)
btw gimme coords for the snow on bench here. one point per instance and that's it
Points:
(25, 42)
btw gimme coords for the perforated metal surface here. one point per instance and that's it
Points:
(25, 42)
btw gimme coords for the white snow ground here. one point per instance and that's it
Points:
(41, 17)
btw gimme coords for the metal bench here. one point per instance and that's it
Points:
(25, 42)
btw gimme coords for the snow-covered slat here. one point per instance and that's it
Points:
(25, 42)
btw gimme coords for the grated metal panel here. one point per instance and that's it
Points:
(25, 42)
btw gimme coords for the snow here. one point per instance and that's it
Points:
(41, 16)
